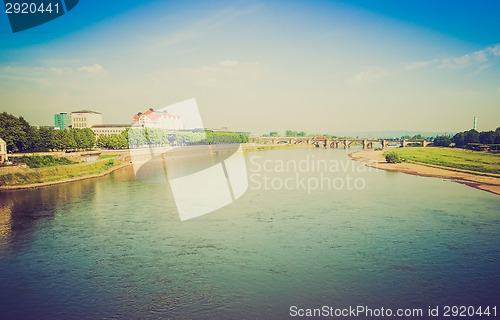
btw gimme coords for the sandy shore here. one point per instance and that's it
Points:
(375, 159)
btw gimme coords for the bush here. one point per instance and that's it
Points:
(393, 157)
(442, 141)
(42, 161)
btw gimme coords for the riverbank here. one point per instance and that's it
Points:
(27, 178)
(483, 181)
(123, 160)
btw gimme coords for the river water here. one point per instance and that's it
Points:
(303, 235)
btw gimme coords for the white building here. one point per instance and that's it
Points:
(85, 119)
(100, 129)
(159, 119)
(3, 151)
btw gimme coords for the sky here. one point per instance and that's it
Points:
(261, 66)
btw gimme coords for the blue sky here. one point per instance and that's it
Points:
(318, 66)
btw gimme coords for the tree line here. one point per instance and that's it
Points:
(292, 133)
(158, 137)
(21, 136)
(469, 137)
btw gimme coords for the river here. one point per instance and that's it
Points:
(305, 234)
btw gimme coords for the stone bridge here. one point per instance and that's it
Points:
(336, 143)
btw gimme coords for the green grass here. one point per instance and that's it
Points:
(452, 158)
(42, 161)
(107, 156)
(48, 174)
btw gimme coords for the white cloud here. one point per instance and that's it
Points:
(494, 50)
(481, 68)
(417, 65)
(228, 63)
(54, 70)
(467, 60)
(96, 68)
(456, 63)
(367, 76)
(480, 56)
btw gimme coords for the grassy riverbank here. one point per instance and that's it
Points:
(452, 158)
(30, 176)
(47, 170)
(477, 179)
(42, 161)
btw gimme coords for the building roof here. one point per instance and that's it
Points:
(2, 141)
(154, 115)
(86, 111)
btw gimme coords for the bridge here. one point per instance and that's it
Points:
(336, 143)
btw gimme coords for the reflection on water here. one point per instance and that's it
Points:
(5, 227)
(20, 210)
(114, 247)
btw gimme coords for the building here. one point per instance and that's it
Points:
(3, 151)
(62, 120)
(100, 129)
(158, 119)
(85, 119)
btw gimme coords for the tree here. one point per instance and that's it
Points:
(88, 138)
(301, 134)
(442, 141)
(157, 136)
(12, 131)
(137, 136)
(103, 141)
(29, 135)
(392, 157)
(61, 139)
(487, 137)
(471, 136)
(243, 138)
(417, 136)
(46, 138)
(78, 137)
(497, 136)
(124, 139)
(459, 139)
(113, 141)
(274, 134)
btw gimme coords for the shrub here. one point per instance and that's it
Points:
(393, 157)
(42, 161)
(442, 141)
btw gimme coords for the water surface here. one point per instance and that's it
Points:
(114, 247)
